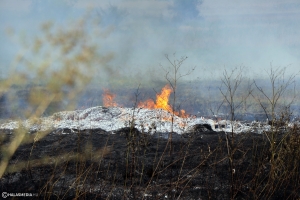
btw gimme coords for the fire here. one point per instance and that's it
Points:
(161, 102)
(108, 99)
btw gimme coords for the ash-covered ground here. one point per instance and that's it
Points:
(145, 120)
(95, 164)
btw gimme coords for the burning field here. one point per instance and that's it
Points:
(148, 116)
(150, 151)
(161, 99)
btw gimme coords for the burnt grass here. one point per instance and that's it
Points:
(128, 164)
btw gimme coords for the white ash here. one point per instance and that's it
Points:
(114, 118)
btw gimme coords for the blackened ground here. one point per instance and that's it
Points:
(94, 164)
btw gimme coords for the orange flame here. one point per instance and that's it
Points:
(108, 99)
(161, 102)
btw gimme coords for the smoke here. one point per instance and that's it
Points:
(212, 34)
(254, 33)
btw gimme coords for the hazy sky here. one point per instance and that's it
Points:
(213, 33)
